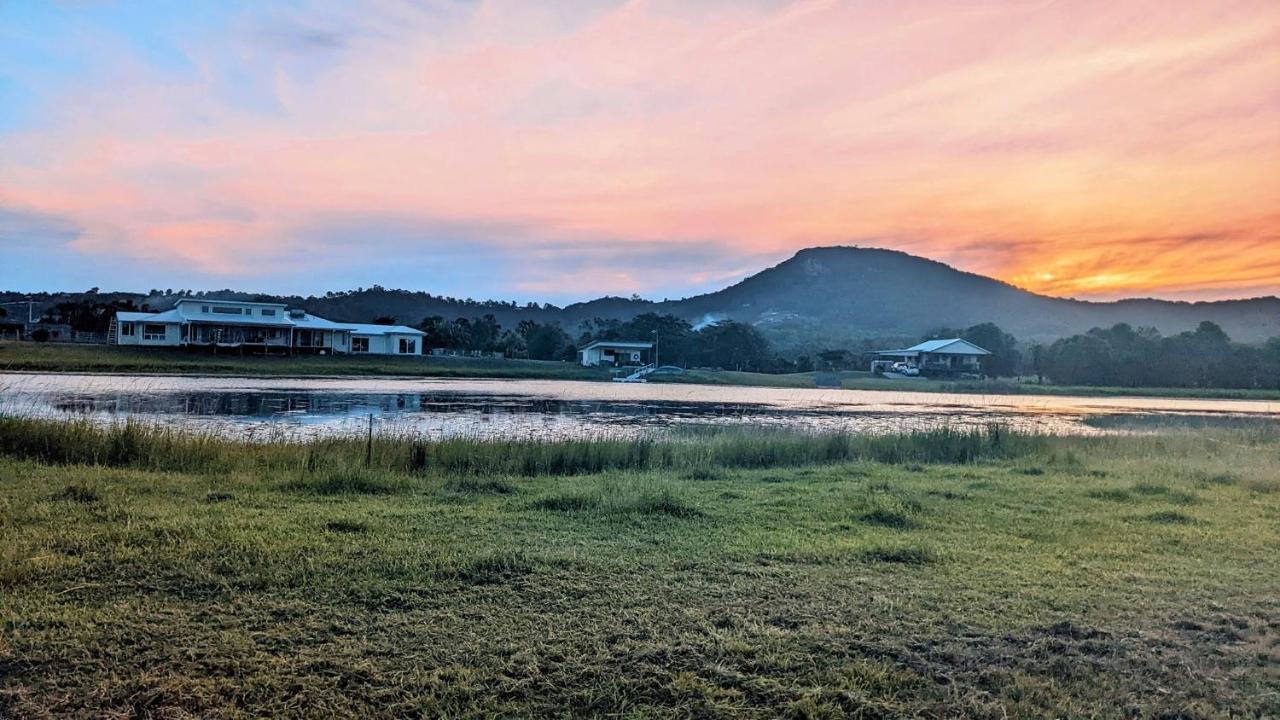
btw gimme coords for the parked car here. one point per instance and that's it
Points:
(911, 371)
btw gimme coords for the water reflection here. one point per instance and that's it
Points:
(274, 408)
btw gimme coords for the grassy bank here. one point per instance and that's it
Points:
(65, 357)
(1006, 577)
(1015, 387)
(55, 357)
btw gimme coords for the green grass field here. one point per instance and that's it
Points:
(65, 357)
(708, 574)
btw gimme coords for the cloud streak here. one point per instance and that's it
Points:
(1092, 149)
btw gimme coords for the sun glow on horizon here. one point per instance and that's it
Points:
(1086, 149)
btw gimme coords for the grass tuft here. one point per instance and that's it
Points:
(79, 494)
(887, 518)
(567, 503)
(346, 526)
(1169, 517)
(344, 481)
(469, 485)
(487, 569)
(900, 555)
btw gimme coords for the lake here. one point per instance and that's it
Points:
(271, 408)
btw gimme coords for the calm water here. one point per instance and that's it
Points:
(266, 408)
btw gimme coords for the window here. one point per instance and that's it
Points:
(268, 312)
(359, 344)
(126, 329)
(204, 308)
(153, 332)
(408, 346)
(228, 310)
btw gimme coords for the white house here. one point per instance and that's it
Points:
(942, 357)
(609, 352)
(194, 322)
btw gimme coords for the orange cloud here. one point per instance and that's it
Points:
(1090, 148)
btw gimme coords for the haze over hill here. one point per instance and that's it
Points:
(830, 297)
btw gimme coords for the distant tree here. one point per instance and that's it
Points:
(1125, 357)
(804, 364)
(734, 344)
(86, 315)
(3, 312)
(440, 333)
(384, 320)
(833, 359)
(511, 344)
(1004, 360)
(544, 341)
(1037, 361)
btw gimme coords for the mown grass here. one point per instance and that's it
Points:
(293, 582)
(65, 357)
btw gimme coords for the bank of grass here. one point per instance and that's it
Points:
(1018, 387)
(66, 357)
(1069, 577)
(158, 447)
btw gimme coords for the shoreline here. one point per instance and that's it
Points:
(53, 359)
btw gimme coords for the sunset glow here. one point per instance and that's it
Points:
(1088, 149)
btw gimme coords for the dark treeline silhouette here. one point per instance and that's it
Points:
(729, 345)
(726, 344)
(1127, 357)
(529, 339)
(88, 315)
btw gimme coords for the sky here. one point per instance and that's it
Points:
(559, 151)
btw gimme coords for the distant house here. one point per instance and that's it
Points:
(935, 357)
(194, 323)
(611, 352)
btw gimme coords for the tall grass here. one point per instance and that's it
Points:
(154, 447)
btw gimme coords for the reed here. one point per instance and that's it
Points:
(156, 447)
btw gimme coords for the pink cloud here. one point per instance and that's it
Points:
(1072, 139)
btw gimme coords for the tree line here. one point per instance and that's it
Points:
(726, 344)
(1127, 357)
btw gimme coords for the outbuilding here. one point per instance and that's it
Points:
(615, 353)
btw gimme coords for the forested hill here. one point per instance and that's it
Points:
(821, 297)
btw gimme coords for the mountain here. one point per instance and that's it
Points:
(864, 292)
(829, 297)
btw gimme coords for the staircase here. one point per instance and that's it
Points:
(638, 376)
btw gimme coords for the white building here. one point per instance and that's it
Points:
(609, 352)
(259, 326)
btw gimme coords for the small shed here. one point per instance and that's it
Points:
(615, 353)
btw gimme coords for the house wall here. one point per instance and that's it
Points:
(172, 336)
(620, 356)
(389, 344)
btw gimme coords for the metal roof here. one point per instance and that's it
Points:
(168, 316)
(315, 322)
(619, 344)
(952, 346)
(369, 329)
(282, 319)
